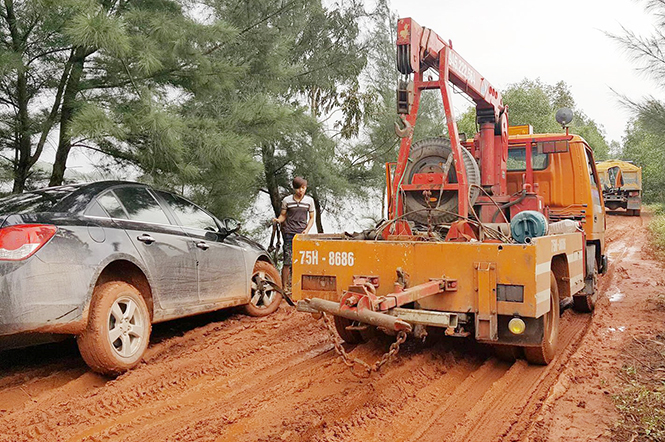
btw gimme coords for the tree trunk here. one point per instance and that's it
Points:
(66, 114)
(22, 133)
(270, 170)
(317, 206)
(22, 136)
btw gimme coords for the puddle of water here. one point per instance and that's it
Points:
(618, 296)
(618, 329)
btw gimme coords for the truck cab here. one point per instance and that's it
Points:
(568, 182)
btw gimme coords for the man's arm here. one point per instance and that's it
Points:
(281, 218)
(310, 223)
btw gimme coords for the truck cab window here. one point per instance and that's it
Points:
(517, 159)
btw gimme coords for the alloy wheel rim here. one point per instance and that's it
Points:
(262, 294)
(126, 327)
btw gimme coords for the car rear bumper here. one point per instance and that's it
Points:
(52, 302)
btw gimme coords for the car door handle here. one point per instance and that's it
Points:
(202, 245)
(146, 238)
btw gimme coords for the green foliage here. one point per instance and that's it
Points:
(643, 144)
(657, 229)
(535, 103)
(643, 141)
(95, 28)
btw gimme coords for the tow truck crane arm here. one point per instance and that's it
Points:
(420, 49)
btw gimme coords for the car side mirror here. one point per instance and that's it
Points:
(230, 225)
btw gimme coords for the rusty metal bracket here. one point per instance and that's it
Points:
(487, 319)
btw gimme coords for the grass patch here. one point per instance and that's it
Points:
(657, 229)
(642, 401)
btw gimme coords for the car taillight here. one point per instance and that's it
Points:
(22, 241)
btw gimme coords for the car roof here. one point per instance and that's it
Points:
(70, 198)
(78, 200)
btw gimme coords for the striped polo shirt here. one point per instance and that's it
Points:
(296, 213)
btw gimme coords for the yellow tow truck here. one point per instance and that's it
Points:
(487, 238)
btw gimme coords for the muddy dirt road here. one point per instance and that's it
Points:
(230, 377)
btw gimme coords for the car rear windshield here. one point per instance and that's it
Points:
(34, 202)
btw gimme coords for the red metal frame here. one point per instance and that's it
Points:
(426, 50)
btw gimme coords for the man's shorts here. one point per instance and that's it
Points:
(288, 248)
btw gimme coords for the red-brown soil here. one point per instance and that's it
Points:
(230, 377)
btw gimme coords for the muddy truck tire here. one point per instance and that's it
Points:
(545, 352)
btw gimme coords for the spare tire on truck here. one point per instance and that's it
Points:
(430, 156)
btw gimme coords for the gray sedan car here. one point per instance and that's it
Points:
(106, 260)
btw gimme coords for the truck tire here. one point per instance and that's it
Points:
(545, 352)
(586, 301)
(349, 336)
(266, 301)
(429, 155)
(118, 330)
(506, 353)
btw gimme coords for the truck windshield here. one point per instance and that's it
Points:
(517, 159)
(630, 177)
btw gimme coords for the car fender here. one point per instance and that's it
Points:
(103, 265)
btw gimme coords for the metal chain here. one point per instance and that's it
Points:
(352, 361)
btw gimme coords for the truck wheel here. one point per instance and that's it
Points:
(118, 330)
(506, 353)
(586, 301)
(637, 212)
(349, 336)
(264, 298)
(544, 353)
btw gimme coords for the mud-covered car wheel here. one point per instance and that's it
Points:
(264, 298)
(544, 353)
(118, 330)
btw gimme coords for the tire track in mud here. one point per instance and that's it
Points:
(628, 254)
(168, 378)
(278, 378)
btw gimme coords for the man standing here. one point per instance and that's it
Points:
(296, 217)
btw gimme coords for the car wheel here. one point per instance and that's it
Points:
(264, 298)
(544, 353)
(118, 330)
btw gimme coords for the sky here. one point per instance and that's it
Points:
(507, 41)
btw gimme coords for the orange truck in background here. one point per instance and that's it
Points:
(487, 238)
(622, 185)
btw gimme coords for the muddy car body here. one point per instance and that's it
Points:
(177, 258)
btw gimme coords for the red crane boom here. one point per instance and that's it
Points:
(420, 49)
